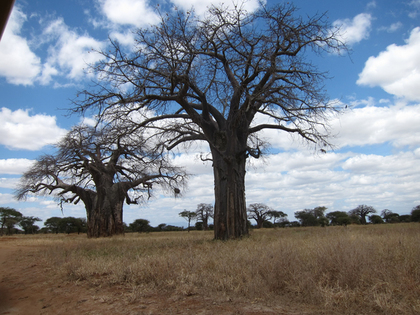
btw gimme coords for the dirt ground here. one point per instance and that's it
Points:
(29, 287)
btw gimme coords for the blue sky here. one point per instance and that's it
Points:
(47, 44)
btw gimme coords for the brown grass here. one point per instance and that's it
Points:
(353, 270)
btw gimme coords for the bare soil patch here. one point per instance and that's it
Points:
(28, 286)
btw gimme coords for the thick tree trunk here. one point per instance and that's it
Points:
(104, 218)
(230, 217)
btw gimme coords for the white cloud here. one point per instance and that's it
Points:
(68, 52)
(18, 63)
(19, 130)
(71, 54)
(354, 31)
(201, 6)
(372, 125)
(397, 69)
(14, 166)
(131, 12)
(392, 28)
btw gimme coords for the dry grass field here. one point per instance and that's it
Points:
(371, 269)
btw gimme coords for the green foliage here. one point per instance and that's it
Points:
(140, 225)
(189, 216)
(199, 226)
(376, 219)
(27, 224)
(8, 218)
(389, 216)
(275, 215)
(338, 218)
(66, 225)
(312, 217)
(415, 214)
(405, 218)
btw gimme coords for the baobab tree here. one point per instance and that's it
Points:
(362, 211)
(102, 167)
(221, 79)
(260, 213)
(204, 212)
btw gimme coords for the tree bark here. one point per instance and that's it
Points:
(104, 214)
(230, 219)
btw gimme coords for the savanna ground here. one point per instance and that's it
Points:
(333, 270)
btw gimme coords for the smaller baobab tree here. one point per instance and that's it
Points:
(204, 212)
(260, 213)
(102, 166)
(362, 211)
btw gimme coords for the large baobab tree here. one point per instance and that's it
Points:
(222, 79)
(102, 167)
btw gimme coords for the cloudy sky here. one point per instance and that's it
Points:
(47, 45)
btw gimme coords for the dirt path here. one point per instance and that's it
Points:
(29, 287)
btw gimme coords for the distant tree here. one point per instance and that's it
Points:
(161, 227)
(72, 225)
(312, 217)
(8, 218)
(338, 218)
(259, 212)
(389, 216)
(28, 224)
(100, 166)
(361, 212)
(405, 218)
(140, 225)
(53, 224)
(189, 216)
(275, 215)
(268, 225)
(170, 228)
(204, 212)
(376, 219)
(199, 226)
(294, 224)
(415, 214)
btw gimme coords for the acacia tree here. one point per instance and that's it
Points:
(140, 225)
(28, 224)
(189, 216)
(102, 167)
(8, 218)
(204, 212)
(274, 214)
(221, 79)
(312, 217)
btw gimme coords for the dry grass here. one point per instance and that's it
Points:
(353, 270)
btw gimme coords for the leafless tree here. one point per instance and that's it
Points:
(260, 213)
(204, 212)
(102, 167)
(362, 211)
(222, 79)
